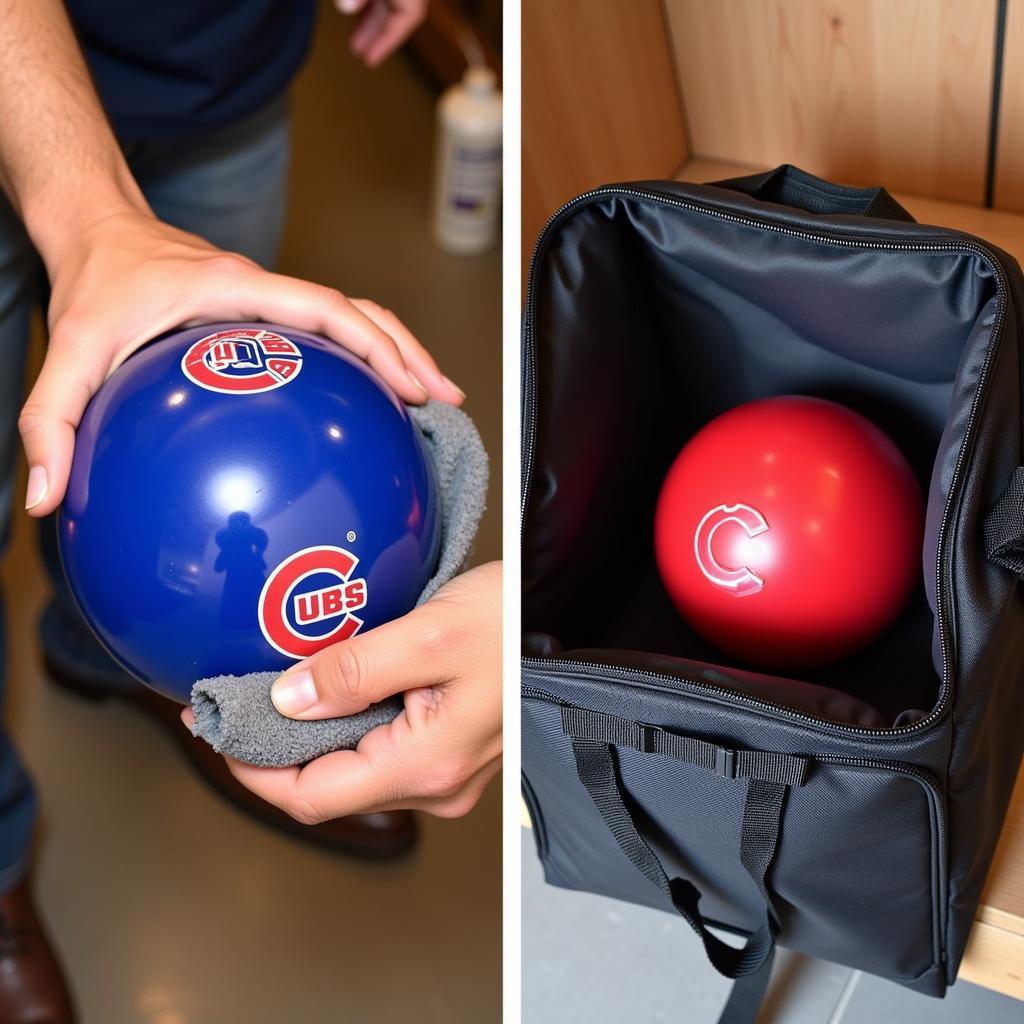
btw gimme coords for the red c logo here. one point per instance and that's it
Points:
(739, 581)
(242, 361)
(297, 616)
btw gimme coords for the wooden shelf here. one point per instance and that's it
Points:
(995, 952)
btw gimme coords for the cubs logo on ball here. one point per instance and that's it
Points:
(738, 579)
(242, 361)
(309, 601)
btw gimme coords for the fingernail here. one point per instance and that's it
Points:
(347, 6)
(38, 485)
(455, 386)
(294, 693)
(415, 380)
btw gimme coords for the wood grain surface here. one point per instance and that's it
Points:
(599, 101)
(876, 90)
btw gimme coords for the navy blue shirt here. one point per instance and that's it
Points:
(172, 67)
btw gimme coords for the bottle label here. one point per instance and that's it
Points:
(474, 183)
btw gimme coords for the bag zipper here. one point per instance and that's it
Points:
(890, 242)
(938, 846)
(923, 778)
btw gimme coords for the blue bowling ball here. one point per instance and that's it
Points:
(241, 496)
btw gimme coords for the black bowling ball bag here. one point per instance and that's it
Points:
(850, 812)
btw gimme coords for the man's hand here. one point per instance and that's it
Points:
(118, 275)
(441, 751)
(383, 26)
(128, 277)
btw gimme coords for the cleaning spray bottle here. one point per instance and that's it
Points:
(467, 170)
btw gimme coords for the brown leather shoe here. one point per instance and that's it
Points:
(380, 836)
(32, 986)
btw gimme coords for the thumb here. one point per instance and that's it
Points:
(350, 675)
(47, 424)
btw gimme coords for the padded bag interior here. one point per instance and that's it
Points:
(645, 321)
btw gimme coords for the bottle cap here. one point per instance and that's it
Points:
(480, 81)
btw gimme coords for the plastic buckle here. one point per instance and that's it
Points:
(648, 738)
(725, 763)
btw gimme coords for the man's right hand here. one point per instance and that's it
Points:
(128, 277)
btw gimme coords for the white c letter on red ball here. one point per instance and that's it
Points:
(740, 580)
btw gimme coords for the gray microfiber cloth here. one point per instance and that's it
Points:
(235, 715)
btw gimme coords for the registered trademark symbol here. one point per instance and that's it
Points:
(350, 536)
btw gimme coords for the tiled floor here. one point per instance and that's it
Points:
(591, 960)
(168, 906)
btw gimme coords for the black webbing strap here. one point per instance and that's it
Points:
(786, 769)
(747, 995)
(768, 775)
(1004, 527)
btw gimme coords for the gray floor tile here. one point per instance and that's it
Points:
(590, 959)
(875, 1001)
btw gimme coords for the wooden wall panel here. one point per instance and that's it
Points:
(892, 92)
(600, 101)
(1009, 170)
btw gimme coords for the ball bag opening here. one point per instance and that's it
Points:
(676, 318)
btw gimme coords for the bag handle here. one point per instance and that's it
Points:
(790, 186)
(1003, 530)
(768, 776)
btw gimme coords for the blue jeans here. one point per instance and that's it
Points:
(228, 187)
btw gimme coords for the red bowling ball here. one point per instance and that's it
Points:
(788, 532)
